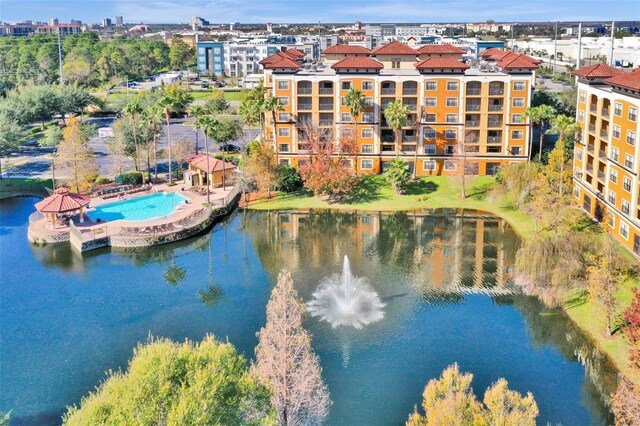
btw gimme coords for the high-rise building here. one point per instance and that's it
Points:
(606, 156)
(448, 102)
(198, 22)
(119, 21)
(63, 29)
(106, 22)
(53, 21)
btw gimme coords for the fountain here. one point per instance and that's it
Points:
(346, 301)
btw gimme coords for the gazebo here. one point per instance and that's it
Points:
(211, 171)
(62, 201)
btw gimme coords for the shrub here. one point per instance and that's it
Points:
(131, 178)
(101, 180)
(290, 179)
(398, 175)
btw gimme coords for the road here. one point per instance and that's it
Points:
(35, 162)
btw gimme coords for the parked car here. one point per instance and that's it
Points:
(230, 148)
(218, 84)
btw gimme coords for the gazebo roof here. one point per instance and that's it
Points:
(62, 201)
(215, 165)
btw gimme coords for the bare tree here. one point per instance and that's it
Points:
(626, 403)
(464, 145)
(285, 360)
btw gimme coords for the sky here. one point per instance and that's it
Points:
(292, 11)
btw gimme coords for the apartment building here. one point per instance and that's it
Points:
(63, 29)
(606, 159)
(449, 102)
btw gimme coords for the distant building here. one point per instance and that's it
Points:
(106, 22)
(210, 57)
(269, 27)
(63, 29)
(18, 29)
(119, 21)
(489, 28)
(53, 21)
(198, 22)
(76, 22)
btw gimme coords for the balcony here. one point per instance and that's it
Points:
(494, 139)
(590, 149)
(472, 123)
(605, 113)
(473, 92)
(602, 154)
(495, 123)
(326, 106)
(472, 107)
(496, 107)
(409, 149)
(412, 106)
(589, 168)
(387, 138)
(604, 133)
(601, 175)
(388, 91)
(304, 106)
(326, 91)
(408, 91)
(304, 90)
(593, 108)
(496, 92)
(326, 122)
(388, 148)
(409, 139)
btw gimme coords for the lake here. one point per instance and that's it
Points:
(443, 279)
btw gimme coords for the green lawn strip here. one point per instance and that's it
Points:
(197, 96)
(8, 184)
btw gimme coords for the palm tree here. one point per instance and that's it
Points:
(209, 123)
(272, 105)
(397, 115)
(355, 102)
(168, 104)
(153, 115)
(196, 111)
(562, 126)
(398, 174)
(540, 115)
(132, 110)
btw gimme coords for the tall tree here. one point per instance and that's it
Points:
(603, 278)
(152, 116)
(355, 100)
(169, 105)
(398, 175)
(540, 115)
(76, 159)
(209, 124)
(397, 116)
(196, 111)
(133, 110)
(631, 328)
(261, 167)
(286, 361)
(566, 128)
(10, 137)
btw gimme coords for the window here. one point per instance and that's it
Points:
(450, 166)
(576, 191)
(395, 63)
(367, 149)
(346, 85)
(283, 84)
(430, 118)
(615, 154)
(616, 131)
(429, 133)
(430, 149)
(452, 85)
(431, 86)
(517, 134)
(579, 154)
(216, 50)
(368, 101)
(626, 207)
(628, 161)
(624, 230)
(283, 147)
(367, 85)
(516, 150)
(612, 197)
(346, 132)
(581, 116)
(633, 114)
(347, 163)
(450, 134)
(284, 131)
(366, 133)
(283, 116)
(452, 102)
(430, 102)
(285, 162)
(613, 175)
(367, 117)
(518, 102)
(283, 100)
(626, 184)
(366, 164)
(617, 109)
(449, 149)
(519, 86)
(345, 117)
(429, 165)
(582, 96)
(517, 118)
(612, 221)
(631, 137)
(451, 118)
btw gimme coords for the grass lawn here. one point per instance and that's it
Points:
(197, 96)
(434, 192)
(34, 186)
(374, 194)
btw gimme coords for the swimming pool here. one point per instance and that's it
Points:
(140, 208)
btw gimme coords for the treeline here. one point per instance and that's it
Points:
(86, 59)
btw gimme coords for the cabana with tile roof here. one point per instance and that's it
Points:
(214, 167)
(62, 202)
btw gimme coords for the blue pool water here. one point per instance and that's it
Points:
(140, 208)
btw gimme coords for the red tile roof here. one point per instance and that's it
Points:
(627, 80)
(280, 60)
(440, 63)
(598, 71)
(357, 62)
(215, 165)
(517, 61)
(440, 48)
(340, 49)
(62, 201)
(394, 48)
(490, 51)
(294, 53)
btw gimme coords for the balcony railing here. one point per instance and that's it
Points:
(495, 123)
(408, 149)
(472, 92)
(601, 175)
(604, 133)
(496, 92)
(410, 91)
(326, 91)
(304, 106)
(409, 139)
(326, 107)
(590, 149)
(326, 122)
(412, 107)
(472, 123)
(304, 90)
(589, 168)
(473, 107)
(494, 139)
(602, 154)
(605, 113)
(388, 148)
(592, 128)
(496, 107)
(388, 91)
(593, 108)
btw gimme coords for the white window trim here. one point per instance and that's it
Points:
(513, 104)
(280, 132)
(615, 109)
(453, 82)
(620, 230)
(455, 166)
(435, 102)
(515, 86)
(435, 149)
(426, 86)
(451, 130)
(362, 135)
(362, 167)
(424, 165)
(517, 138)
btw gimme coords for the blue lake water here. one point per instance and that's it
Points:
(138, 208)
(444, 278)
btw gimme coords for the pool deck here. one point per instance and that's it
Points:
(186, 220)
